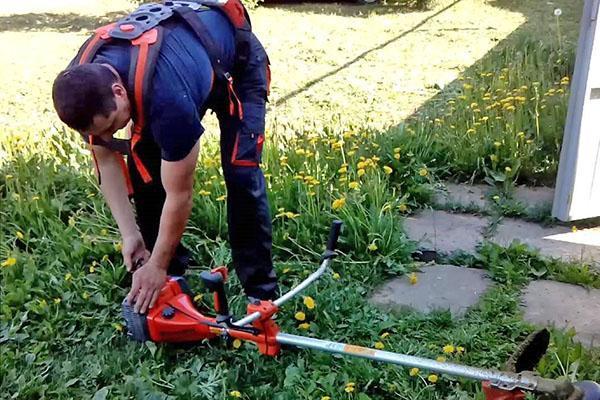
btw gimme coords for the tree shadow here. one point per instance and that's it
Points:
(41, 22)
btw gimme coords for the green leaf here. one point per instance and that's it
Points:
(152, 347)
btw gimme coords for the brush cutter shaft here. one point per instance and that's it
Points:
(505, 380)
(311, 278)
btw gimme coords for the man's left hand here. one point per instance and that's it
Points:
(146, 285)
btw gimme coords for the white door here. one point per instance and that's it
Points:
(577, 194)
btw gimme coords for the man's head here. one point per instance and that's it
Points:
(91, 99)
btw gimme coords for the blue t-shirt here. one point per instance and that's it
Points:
(181, 83)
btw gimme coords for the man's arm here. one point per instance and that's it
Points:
(178, 181)
(114, 189)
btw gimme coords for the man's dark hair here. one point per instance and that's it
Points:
(82, 92)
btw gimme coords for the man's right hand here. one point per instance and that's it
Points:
(134, 252)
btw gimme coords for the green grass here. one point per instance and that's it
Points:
(336, 151)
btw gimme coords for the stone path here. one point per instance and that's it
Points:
(544, 303)
(447, 287)
(549, 303)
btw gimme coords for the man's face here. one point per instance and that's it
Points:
(105, 127)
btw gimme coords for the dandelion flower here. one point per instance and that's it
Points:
(9, 262)
(508, 169)
(441, 359)
(300, 316)
(360, 172)
(325, 398)
(496, 198)
(338, 203)
(402, 208)
(68, 276)
(460, 349)
(336, 276)
(353, 185)
(350, 386)
(92, 269)
(235, 393)
(237, 343)
(57, 300)
(493, 157)
(118, 327)
(413, 372)
(448, 349)
(372, 247)
(309, 302)
(397, 156)
(387, 170)
(304, 326)
(497, 144)
(379, 345)
(413, 279)
(384, 335)
(573, 229)
(423, 172)
(433, 378)
(19, 235)
(557, 12)
(204, 193)
(222, 198)
(342, 170)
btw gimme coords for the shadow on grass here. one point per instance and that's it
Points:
(540, 24)
(56, 22)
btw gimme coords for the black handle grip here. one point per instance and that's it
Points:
(214, 282)
(334, 234)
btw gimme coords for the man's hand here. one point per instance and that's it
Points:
(134, 251)
(146, 285)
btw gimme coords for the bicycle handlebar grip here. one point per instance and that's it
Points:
(334, 234)
(215, 282)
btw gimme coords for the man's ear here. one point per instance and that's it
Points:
(118, 90)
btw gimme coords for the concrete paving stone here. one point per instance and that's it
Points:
(445, 232)
(556, 241)
(463, 194)
(438, 287)
(534, 197)
(562, 305)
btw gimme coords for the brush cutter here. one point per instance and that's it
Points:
(175, 319)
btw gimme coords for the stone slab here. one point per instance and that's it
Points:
(534, 197)
(438, 287)
(556, 241)
(463, 194)
(445, 232)
(562, 305)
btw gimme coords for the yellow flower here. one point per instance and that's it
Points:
(235, 393)
(350, 386)
(387, 170)
(372, 247)
(508, 169)
(343, 170)
(118, 246)
(413, 372)
(353, 185)
(19, 235)
(92, 269)
(423, 172)
(222, 198)
(43, 303)
(198, 297)
(35, 198)
(494, 157)
(57, 300)
(337, 145)
(309, 302)
(286, 270)
(496, 197)
(118, 327)
(325, 398)
(85, 295)
(360, 172)
(384, 335)
(497, 144)
(402, 208)
(300, 316)
(103, 232)
(237, 343)
(397, 156)
(304, 326)
(9, 262)
(448, 349)
(71, 222)
(8, 177)
(460, 349)
(441, 359)
(68, 276)
(300, 152)
(573, 228)
(336, 276)
(204, 192)
(521, 134)
(361, 165)
(396, 149)
(529, 141)
(433, 378)
(379, 345)
(338, 203)
(413, 279)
